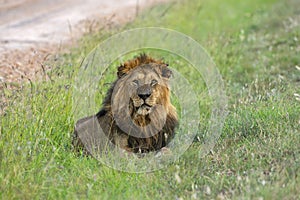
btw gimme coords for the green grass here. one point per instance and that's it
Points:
(256, 46)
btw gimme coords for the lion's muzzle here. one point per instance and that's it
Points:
(141, 100)
(144, 91)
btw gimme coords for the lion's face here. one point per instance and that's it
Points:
(147, 89)
(147, 85)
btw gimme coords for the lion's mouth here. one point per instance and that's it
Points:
(144, 109)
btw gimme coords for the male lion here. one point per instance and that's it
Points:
(137, 114)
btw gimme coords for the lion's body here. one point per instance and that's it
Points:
(140, 97)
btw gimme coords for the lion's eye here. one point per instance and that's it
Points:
(153, 82)
(135, 82)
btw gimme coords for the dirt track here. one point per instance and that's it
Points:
(31, 30)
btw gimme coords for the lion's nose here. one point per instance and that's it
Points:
(144, 92)
(144, 96)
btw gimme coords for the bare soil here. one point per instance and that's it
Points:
(31, 31)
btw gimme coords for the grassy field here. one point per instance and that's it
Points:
(256, 46)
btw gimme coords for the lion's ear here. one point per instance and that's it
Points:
(121, 71)
(120, 74)
(165, 72)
